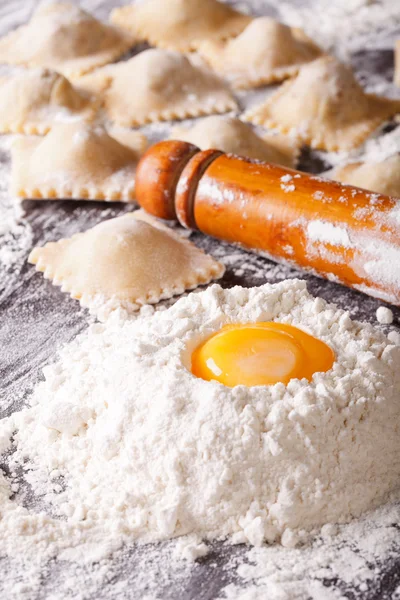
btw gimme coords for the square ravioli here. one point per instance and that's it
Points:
(382, 177)
(180, 24)
(325, 107)
(63, 37)
(34, 100)
(235, 137)
(127, 262)
(77, 161)
(159, 85)
(265, 52)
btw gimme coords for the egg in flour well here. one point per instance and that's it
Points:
(260, 354)
(163, 451)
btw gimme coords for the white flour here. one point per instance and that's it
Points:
(344, 26)
(378, 149)
(122, 443)
(375, 150)
(16, 237)
(319, 231)
(349, 560)
(384, 315)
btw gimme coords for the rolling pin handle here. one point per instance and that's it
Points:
(157, 176)
(187, 186)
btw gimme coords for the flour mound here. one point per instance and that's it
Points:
(122, 439)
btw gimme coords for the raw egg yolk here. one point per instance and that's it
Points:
(260, 354)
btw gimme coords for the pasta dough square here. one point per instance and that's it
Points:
(180, 24)
(159, 85)
(33, 101)
(125, 262)
(77, 161)
(235, 137)
(63, 37)
(381, 177)
(265, 52)
(325, 107)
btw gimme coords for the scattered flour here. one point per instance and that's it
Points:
(358, 557)
(394, 337)
(376, 149)
(320, 231)
(16, 235)
(343, 26)
(380, 148)
(384, 315)
(334, 566)
(286, 186)
(383, 263)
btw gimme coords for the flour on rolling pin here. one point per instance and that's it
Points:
(343, 233)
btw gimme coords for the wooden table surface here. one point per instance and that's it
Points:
(36, 318)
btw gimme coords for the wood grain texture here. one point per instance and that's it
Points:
(268, 208)
(157, 176)
(37, 319)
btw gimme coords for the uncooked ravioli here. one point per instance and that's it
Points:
(325, 107)
(382, 177)
(77, 161)
(127, 260)
(34, 100)
(235, 137)
(159, 85)
(180, 24)
(63, 37)
(265, 52)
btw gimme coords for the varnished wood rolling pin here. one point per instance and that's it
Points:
(343, 233)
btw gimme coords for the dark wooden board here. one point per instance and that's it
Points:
(37, 319)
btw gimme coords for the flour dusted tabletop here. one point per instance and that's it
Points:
(361, 563)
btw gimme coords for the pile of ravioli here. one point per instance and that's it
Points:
(80, 91)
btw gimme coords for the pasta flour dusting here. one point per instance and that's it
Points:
(123, 443)
(16, 235)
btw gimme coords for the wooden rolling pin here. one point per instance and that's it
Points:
(343, 233)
